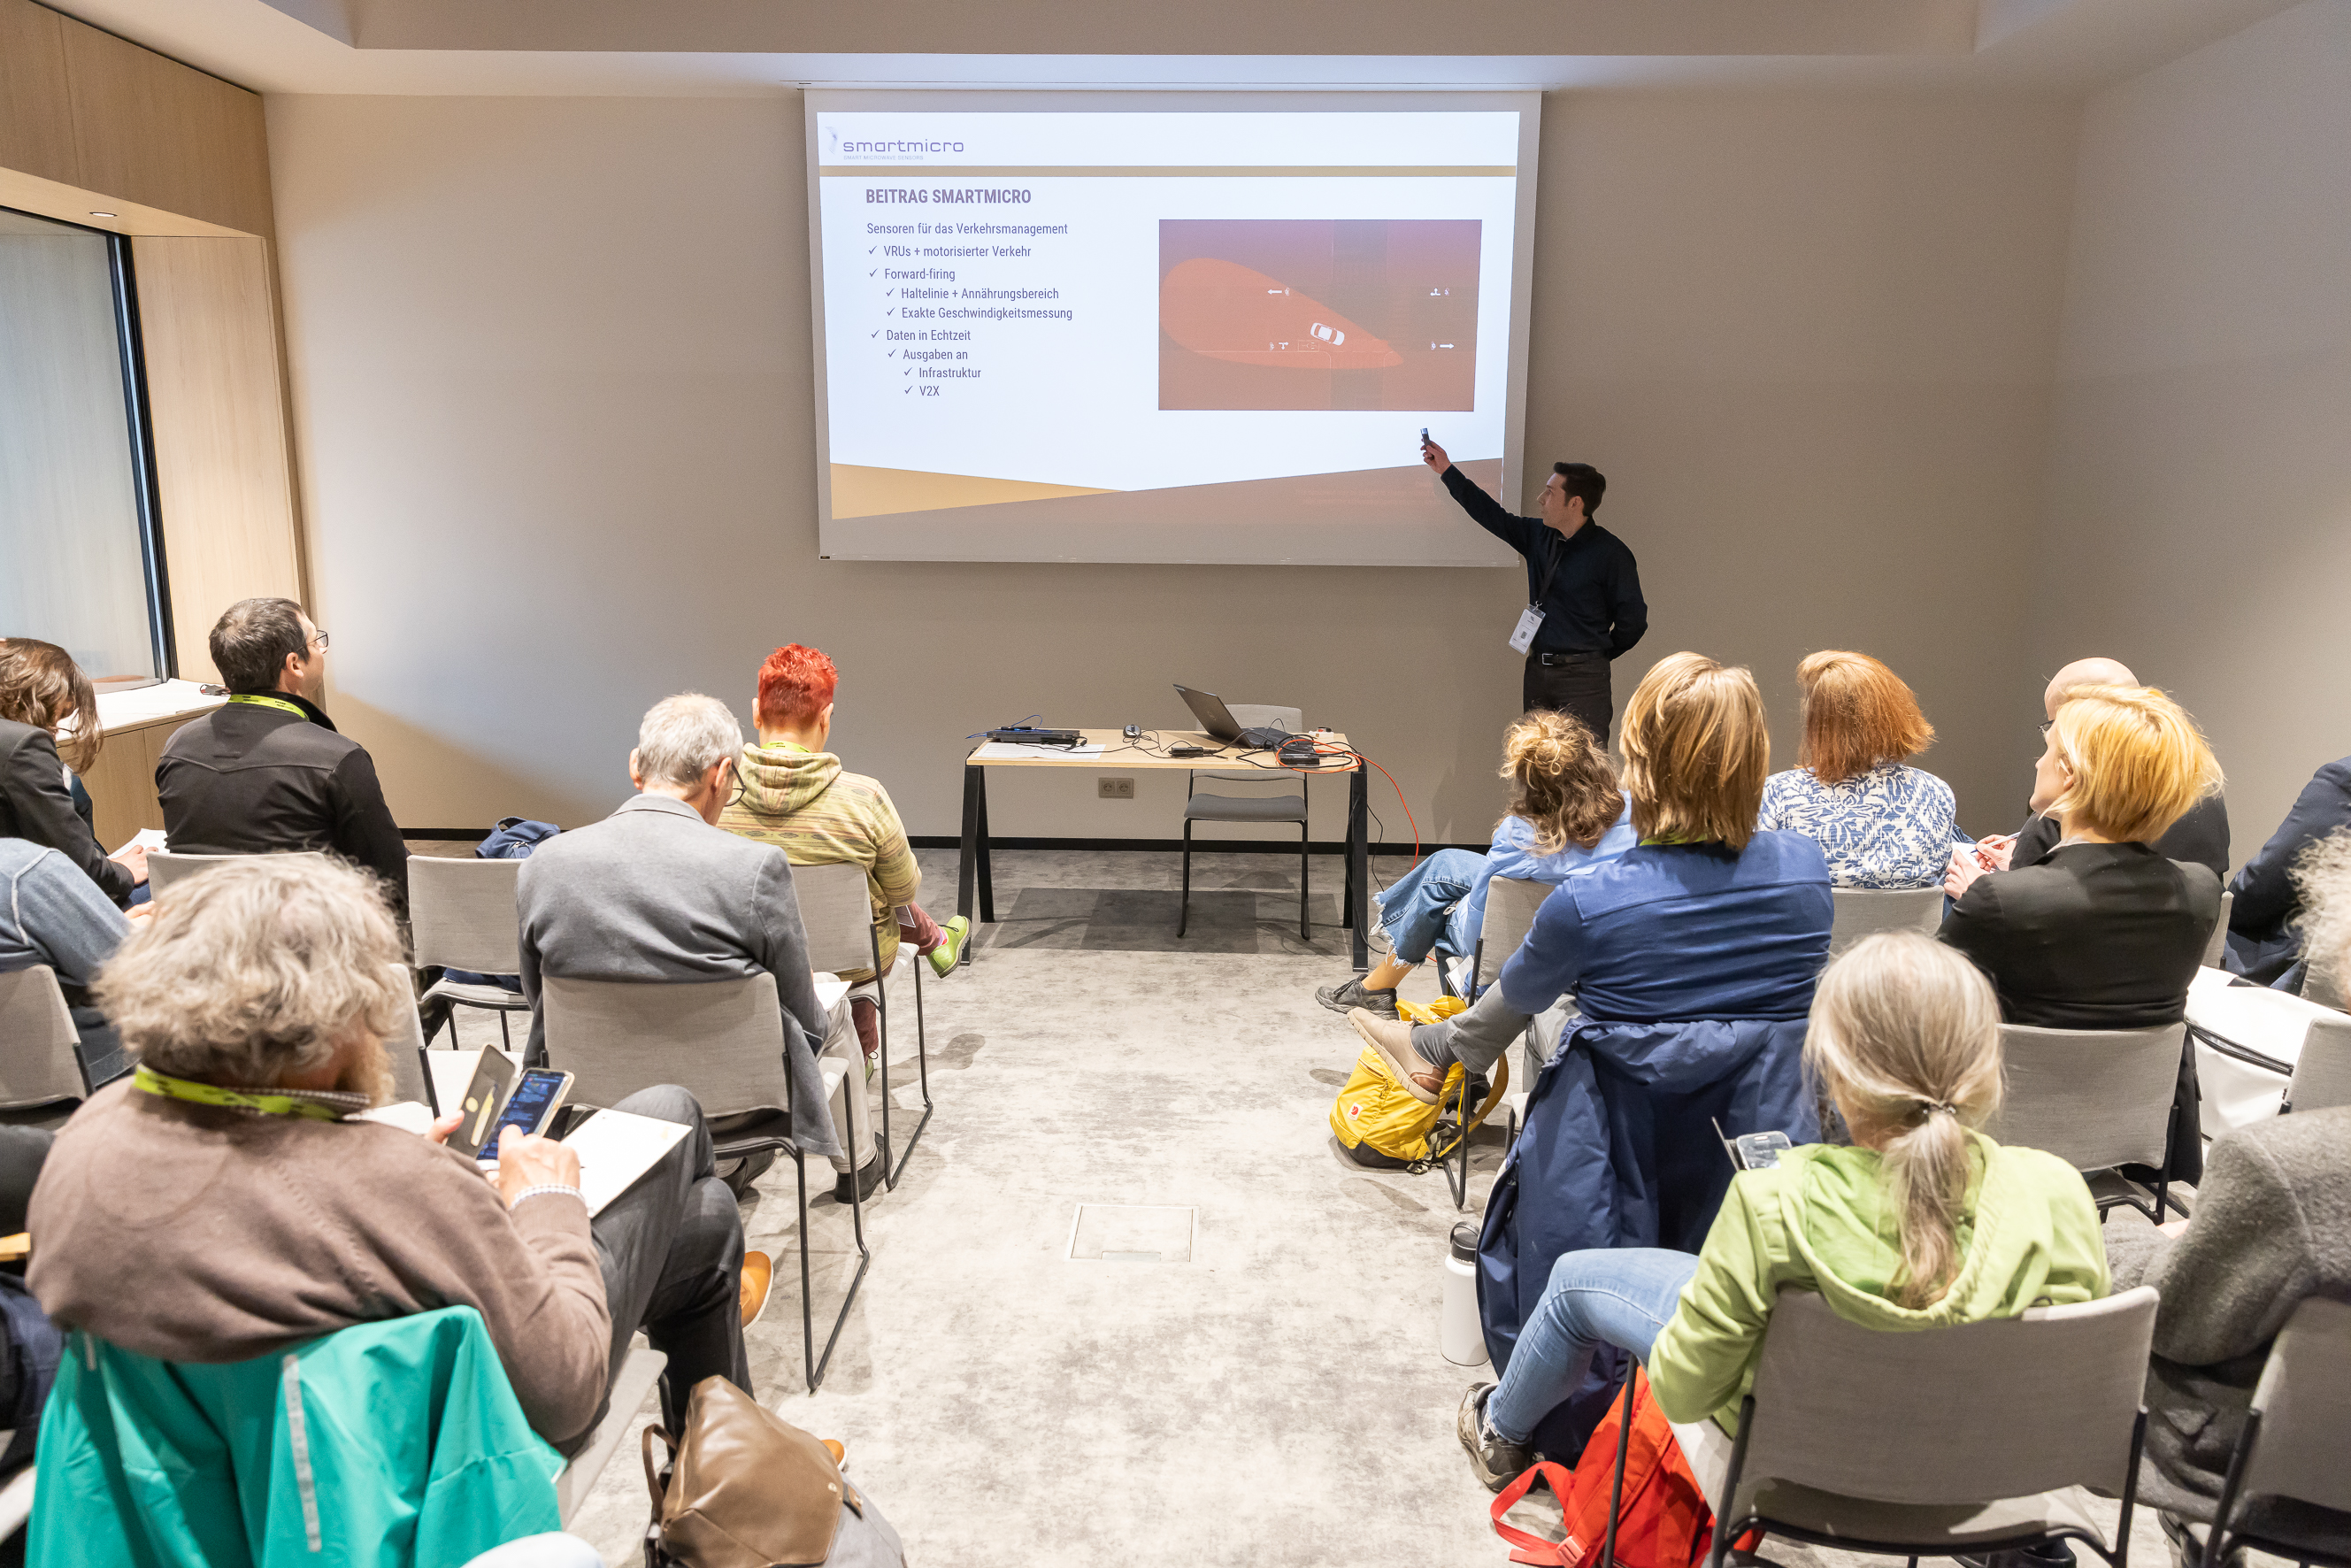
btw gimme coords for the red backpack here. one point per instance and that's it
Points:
(1662, 1521)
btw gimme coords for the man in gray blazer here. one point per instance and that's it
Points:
(658, 892)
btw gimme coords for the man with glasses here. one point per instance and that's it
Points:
(266, 773)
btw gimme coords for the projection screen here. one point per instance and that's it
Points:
(1126, 327)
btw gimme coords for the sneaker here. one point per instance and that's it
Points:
(867, 1178)
(1497, 1459)
(1340, 997)
(759, 1273)
(1392, 1038)
(954, 937)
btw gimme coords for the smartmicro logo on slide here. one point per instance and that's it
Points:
(888, 149)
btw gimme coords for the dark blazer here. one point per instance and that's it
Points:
(2200, 838)
(35, 804)
(252, 779)
(2089, 937)
(2264, 941)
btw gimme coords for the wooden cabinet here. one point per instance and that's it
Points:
(122, 782)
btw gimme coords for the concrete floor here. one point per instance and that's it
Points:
(1278, 1399)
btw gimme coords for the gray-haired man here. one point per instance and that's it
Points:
(658, 892)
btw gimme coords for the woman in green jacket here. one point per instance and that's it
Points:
(1924, 1222)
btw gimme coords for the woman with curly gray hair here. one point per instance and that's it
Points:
(225, 1203)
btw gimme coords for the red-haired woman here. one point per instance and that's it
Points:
(795, 796)
(1879, 821)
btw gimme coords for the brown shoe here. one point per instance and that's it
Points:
(840, 1454)
(759, 1273)
(1392, 1038)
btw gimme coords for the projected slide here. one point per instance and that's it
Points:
(1133, 336)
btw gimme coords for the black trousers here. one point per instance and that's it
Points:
(1578, 686)
(672, 1252)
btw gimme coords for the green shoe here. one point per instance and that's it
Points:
(953, 936)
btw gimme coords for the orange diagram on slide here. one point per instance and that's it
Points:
(1223, 310)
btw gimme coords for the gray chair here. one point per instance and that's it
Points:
(38, 1062)
(837, 912)
(2321, 1073)
(1289, 806)
(723, 1041)
(166, 869)
(461, 911)
(1981, 1437)
(1511, 903)
(2217, 943)
(2290, 1451)
(411, 1077)
(1860, 912)
(2096, 1099)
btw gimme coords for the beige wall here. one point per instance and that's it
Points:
(2200, 475)
(552, 375)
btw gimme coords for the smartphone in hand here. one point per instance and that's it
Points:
(531, 1108)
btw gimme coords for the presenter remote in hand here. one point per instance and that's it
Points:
(1583, 588)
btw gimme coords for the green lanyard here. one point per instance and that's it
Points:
(280, 702)
(154, 1082)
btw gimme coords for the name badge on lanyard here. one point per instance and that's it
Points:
(1530, 621)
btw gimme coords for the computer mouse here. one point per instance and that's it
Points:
(1135, 732)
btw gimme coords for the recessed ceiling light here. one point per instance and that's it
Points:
(98, 215)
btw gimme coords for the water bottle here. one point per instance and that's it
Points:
(1458, 1333)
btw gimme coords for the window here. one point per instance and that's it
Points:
(80, 561)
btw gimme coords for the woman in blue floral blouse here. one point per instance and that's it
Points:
(1879, 823)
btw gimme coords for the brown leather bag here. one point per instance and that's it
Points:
(746, 1489)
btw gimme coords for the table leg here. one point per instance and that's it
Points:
(986, 867)
(967, 861)
(1359, 801)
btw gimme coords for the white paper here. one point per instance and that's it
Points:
(149, 838)
(829, 989)
(408, 1115)
(1005, 751)
(615, 1148)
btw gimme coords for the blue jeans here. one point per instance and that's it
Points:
(1419, 907)
(1620, 1296)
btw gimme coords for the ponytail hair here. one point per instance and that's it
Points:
(1561, 782)
(1905, 1033)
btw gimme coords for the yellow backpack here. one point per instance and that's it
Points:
(1383, 1126)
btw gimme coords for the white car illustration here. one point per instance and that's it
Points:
(1330, 335)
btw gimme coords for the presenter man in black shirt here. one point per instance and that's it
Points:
(1583, 588)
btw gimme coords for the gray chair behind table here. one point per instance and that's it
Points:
(38, 1062)
(837, 912)
(2217, 943)
(1511, 903)
(2288, 1490)
(1880, 1442)
(723, 1041)
(166, 869)
(1289, 806)
(461, 911)
(2321, 1073)
(1860, 912)
(2096, 1099)
(405, 1046)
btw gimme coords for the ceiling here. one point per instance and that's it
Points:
(748, 48)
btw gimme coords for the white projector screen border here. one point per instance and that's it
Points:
(1246, 522)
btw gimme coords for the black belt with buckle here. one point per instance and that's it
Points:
(1548, 660)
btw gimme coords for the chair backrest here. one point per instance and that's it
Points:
(837, 912)
(405, 1041)
(462, 912)
(2321, 1073)
(2217, 943)
(166, 870)
(1969, 1414)
(2094, 1098)
(2304, 1398)
(723, 1040)
(38, 1065)
(2319, 984)
(1510, 905)
(1860, 912)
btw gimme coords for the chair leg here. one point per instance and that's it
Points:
(505, 1037)
(1305, 932)
(1184, 899)
(1617, 1484)
(923, 1066)
(1721, 1547)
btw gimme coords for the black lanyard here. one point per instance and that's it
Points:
(1558, 549)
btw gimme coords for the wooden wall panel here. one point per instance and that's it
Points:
(217, 408)
(153, 131)
(36, 110)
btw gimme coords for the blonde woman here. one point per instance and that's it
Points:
(1565, 815)
(1905, 1035)
(2101, 932)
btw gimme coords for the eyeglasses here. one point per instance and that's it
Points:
(2046, 724)
(320, 641)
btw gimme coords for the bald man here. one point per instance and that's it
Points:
(2200, 837)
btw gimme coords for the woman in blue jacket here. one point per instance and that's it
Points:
(1691, 961)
